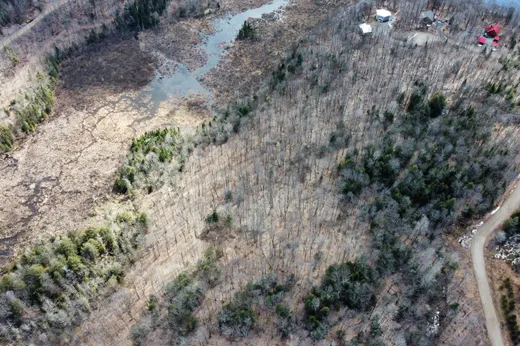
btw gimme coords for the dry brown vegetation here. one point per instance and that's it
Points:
(273, 179)
(289, 210)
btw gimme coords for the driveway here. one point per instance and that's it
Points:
(479, 266)
(438, 26)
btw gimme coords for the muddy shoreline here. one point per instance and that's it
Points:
(102, 103)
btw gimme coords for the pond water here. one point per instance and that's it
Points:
(183, 82)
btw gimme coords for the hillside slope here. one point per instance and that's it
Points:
(319, 207)
(277, 182)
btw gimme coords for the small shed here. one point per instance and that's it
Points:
(493, 30)
(383, 15)
(427, 18)
(481, 40)
(365, 28)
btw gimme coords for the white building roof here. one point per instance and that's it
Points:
(366, 28)
(383, 13)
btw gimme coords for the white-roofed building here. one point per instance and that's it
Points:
(365, 28)
(383, 15)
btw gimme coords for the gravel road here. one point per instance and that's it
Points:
(479, 266)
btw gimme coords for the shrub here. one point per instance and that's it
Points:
(207, 268)
(509, 307)
(89, 251)
(389, 117)
(6, 139)
(437, 105)
(284, 322)
(32, 278)
(353, 177)
(228, 196)
(149, 155)
(237, 317)
(416, 102)
(183, 296)
(247, 31)
(340, 334)
(138, 334)
(173, 288)
(512, 225)
(180, 318)
(212, 218)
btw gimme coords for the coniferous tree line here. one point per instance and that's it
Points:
(141, 14)
(53, 287)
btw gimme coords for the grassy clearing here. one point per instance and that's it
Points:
(50, 289)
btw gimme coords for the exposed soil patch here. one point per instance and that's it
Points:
(218, 234)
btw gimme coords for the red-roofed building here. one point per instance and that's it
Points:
(482, 40)
(493, 30)
(496, 39)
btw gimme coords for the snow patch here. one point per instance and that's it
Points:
(433, 327)
(510, 251)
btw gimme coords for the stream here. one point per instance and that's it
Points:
(184, 83)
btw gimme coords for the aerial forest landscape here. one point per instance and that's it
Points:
(260, 172)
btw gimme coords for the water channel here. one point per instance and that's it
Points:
(183, 82)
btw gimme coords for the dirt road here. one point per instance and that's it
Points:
(479, 266)
(51, 8)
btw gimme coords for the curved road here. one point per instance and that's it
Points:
(479, 266)
(50, 8)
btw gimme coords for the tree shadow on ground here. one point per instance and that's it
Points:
(114, 65)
